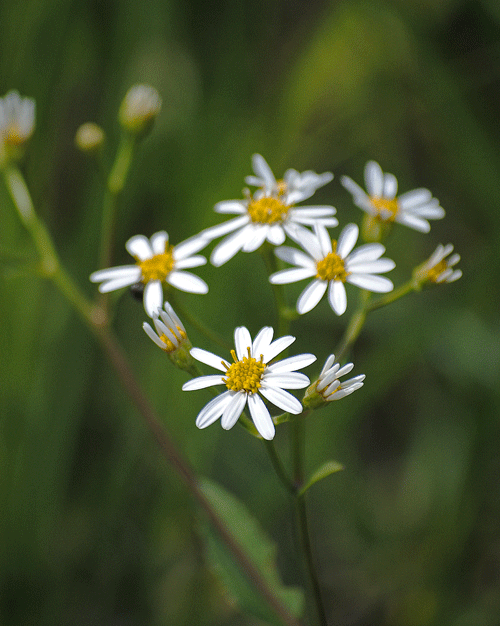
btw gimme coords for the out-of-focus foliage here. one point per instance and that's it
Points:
(95, 528)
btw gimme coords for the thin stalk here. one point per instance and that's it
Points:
(269, 258)
(279, 468)
(115, 354)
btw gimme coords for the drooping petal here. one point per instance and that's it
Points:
(153, 297)
(337, 297)
(213, 410)
(233, 410)
(311, 295)
(261, 417)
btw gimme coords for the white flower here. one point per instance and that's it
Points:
(170, 332)
(438, 269)
(332, 264)
(269, 213)
(156, 261)
(248, 378)
(17, 118)
(296, 186)
(329, 385)
(412, 208)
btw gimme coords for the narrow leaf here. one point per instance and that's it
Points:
(328, 468)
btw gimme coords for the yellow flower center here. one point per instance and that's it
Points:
(13, 136)
(244, 375)
(435, 272)
(386, 209)
(332, 266)
(159, 266)
(267, 210)
(281, 187)
(169, 344)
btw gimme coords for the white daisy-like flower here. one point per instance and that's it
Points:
(412, 208)
(329, 385)
(156, 261)
(17, 118)
(333, 263)
(269, 213)
(170, 332)
(439, 269)
(297, 186)
(248, 378)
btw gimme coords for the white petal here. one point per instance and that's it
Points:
(262, 169)
(152, 335)
(431, 211)
(327, 222)
(202, 382)
(353, 188)
(328, 364)
(190, 246)
(311, 295)
(153, 297)
(347, 240)
(324, 239)
(292, 363)
(295, 257)
(306, 239)
(291, 276)
(379, 284)
(286, 380)
(209, 358)
(374, 179)
(185, 281)
(118, 283)
(390, 186)
(231, 206)
(413, 221)
(213, 410)
(226, 227)
(262, 341)
(282, 399)
(348, 367)
(233, 410)
(192, 261)
(158, 241)
(414, 198)
(337, 297)
(372, 267)
(112, 273)
(277, 346)
(276, 235)
(313, 211)
(261, 417)
(242, 341)
(256, 237)
(367, 252)
(139, 247)
(229, 246)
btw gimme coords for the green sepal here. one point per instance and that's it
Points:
(325, 470)
(259, 549)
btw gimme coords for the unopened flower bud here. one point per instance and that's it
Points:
(89, 138)
(171, 337)
(438, 268)
(17, 123)
(328, 386)
(139, 109)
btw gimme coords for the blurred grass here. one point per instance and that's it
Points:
(95, 528)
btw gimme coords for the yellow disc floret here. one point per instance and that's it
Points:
(159, 266)
(244, 375)
(332, 266)
(267, 210)
(170, 346)
(386, 209)
(435, 272)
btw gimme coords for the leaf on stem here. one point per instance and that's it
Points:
(328, 468)
(259, 549)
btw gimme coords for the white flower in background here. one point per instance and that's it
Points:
(248, 378)
(329, 385)
(156, 261)
(439, 269)
(17, 118)
(412, 208)
(296, 186)
(139, 108)
(269, 213)
(170, 332)
(332, 264)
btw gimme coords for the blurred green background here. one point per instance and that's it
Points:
(95, 527)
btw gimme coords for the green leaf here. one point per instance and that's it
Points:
(259, 549)
(328, 468)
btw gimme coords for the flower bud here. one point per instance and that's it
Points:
(89, 138)
(438, 269)
(17, 123)
(171, 337)
(139, 109)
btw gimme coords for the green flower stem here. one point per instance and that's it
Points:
(351, 333)
(279, 467)
(284, 314)
(111, 347)
(115, 184)
(392, 296)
